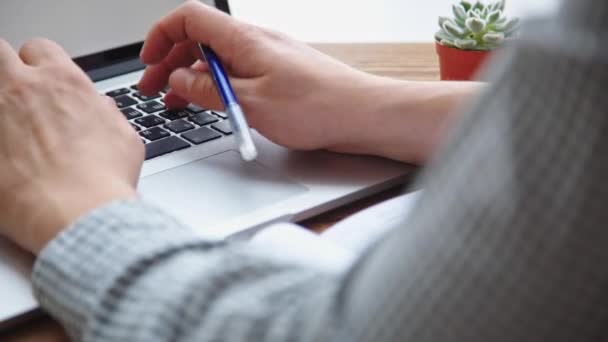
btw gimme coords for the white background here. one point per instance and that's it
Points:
(363, 20)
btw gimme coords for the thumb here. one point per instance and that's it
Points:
(198, 87)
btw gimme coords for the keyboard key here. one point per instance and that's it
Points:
(136, 128)
(131, 113)
(179, 126)
(203, 119)
(192, 108)
(220, 114)
(145, 98)
(124, 101)
(118, 92)
(154, 133)
(223, 127)
(201, 135)
(164, 146)
(172, 115)
(149, 121)
(134, 87)
(151, 107)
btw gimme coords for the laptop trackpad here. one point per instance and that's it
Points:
(216, 188)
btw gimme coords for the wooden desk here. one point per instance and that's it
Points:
(405, 61)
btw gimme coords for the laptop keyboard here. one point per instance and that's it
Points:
(163, 131)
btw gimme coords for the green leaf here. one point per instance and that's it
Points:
(441, 35)
(442, 20)
(475, 25)
(447, 43)
(451, 28)
(459, 12)
(502, 20)
(509, 27)
(465, 44)
(485, 12)
(502, 4)
(473, 14)
(479, 6)
(466, 5)
(494, 16)
(495, 38)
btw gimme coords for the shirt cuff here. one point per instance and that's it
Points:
(76, 269)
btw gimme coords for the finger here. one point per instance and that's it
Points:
(42, 51)
(8, 57)
(200, 66)
(174, 101)
(196, 87)
(156, 76)
(193, 21)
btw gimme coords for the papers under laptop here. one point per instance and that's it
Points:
(338, 247)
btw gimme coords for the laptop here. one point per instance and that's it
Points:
(201, 181)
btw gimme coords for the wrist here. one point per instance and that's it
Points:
(402, 120)
(368, 107)
(51, 208)
(356, 110)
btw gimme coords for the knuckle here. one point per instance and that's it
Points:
(245, 37)
(189, 5)
(11, 75)
(247, 32)
(22, 87)
(37, 43)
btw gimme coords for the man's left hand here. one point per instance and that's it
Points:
(64, 149)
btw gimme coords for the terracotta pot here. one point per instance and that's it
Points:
(459, 65)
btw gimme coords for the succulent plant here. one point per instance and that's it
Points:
(476, 26)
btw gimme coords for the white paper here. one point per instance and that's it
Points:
(293, 243)
(357, 232)
(339, 247)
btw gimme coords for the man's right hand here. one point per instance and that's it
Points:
(292, 94)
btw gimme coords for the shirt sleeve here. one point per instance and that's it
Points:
(508, 243)
(129, 272)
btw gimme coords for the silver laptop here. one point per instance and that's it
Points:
(199, 178)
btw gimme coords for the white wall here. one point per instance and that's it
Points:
(362, 20)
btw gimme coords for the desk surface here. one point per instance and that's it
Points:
(406, 61)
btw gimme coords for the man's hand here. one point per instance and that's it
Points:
(64, 149)
(291, 93)
(295, 95)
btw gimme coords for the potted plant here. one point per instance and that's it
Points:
(466, 40)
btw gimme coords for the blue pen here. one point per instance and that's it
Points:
(236, 115)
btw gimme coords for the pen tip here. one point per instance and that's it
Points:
(249, 153)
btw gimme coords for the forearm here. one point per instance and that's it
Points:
(129, 272)
(403, 120)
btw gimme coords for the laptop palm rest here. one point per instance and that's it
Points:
(223, 185)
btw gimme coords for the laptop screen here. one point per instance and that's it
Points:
(82, 27)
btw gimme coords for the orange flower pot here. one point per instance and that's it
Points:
(460, 65)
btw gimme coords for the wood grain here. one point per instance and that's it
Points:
(403, 61)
